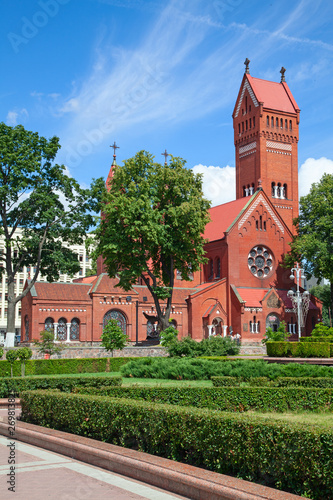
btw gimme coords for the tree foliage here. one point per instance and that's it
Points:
(113, 337)
(47, 344)
(154, 217)
(23, 353)
(11, 357)
(313, 243)
(323, 293)
(42, 210)
(279, 336)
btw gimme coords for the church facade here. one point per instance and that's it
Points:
(243, 288)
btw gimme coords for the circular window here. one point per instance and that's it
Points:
(260, 261)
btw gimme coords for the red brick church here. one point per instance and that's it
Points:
(243, 288)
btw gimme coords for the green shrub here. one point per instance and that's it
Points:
(23, 354)
(322, 382)
(234, 399)
(235, 381)
(316, 339)
(168, 336)
(1, 352)
(186, 346)
(65, 366)
(296, 457)
(66, 384)
(320, 330)
(204, 369)
(279, 336)
(298, 349)
(213, 346)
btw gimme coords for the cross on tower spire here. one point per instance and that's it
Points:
(247, 62)
(114, 146)
(165, 154)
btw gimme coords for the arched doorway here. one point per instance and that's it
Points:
(273, 322)
(217, 325)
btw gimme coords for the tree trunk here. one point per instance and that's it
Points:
(11, 306)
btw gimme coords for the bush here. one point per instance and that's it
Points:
(23, 354)
(322, 382)
(204, 369)
(280, 335)
(47, 345)
(296, 457)
(67, 384)
(65, 366)
(234, 399)
(298, 349)
(213, 346)
(168, 335)
(235, 381)
(316, 339)
(320, 330)
(11, 357)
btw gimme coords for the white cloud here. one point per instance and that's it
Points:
(13, 117)
(219, 183)
(312, 171)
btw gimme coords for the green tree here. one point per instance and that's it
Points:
(321, 330)
(168, 336)
(113, 337)
(11, 357)
(47, 344)
(280, 335)
(323, 293)
(1, 352)
(313, 243)
(23, 353)
(42, 210)
(152, 225)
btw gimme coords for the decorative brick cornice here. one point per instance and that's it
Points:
(262, 200)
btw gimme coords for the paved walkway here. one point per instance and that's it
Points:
(41, 474)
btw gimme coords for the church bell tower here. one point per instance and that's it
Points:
(266, 121)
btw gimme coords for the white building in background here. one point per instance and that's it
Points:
(27, 273)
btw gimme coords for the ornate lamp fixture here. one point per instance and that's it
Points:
(299, 300)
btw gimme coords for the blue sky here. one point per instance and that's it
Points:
(153, 74)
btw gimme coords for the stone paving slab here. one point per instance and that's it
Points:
(41, 474)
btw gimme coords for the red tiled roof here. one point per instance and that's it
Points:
(273, 95)
(222, 217)
(252, 296)
(61, 291)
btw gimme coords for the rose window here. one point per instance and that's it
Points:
(260, 261)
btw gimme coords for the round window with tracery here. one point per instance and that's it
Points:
(260, 261)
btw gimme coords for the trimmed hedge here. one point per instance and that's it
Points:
(235, 399)
(316, 339)
(65, 366)
(234, 381)
(323, 382)
(293, 457)
(9, 385)
(298, 349)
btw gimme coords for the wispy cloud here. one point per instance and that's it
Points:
(218, 183)
(16, 116)
(311, 171)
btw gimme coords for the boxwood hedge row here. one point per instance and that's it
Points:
(64, 366)
(299, 349)
(279, 382)
(235, 399)
(9, 385)
(296, 458)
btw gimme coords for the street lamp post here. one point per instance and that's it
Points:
(299, 300)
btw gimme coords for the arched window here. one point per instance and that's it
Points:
(281, 122)
(272, 322)
(250, 123)
(278, 192)
(285, 123)
(254, 121)
(239, 128)
(118, 316)
(277, 122)
(273, 189)
(74, 333)
(49, 324)
(290, 125)
(285, 191)
(62, 330)
(26, 328)
(218, 268)
(267, 121)
(272, 121)
(210, 269)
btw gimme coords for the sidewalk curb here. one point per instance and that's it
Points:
(182, 479)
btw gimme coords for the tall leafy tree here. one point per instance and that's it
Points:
(42, 210)
(313, 243)
(152, 225)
